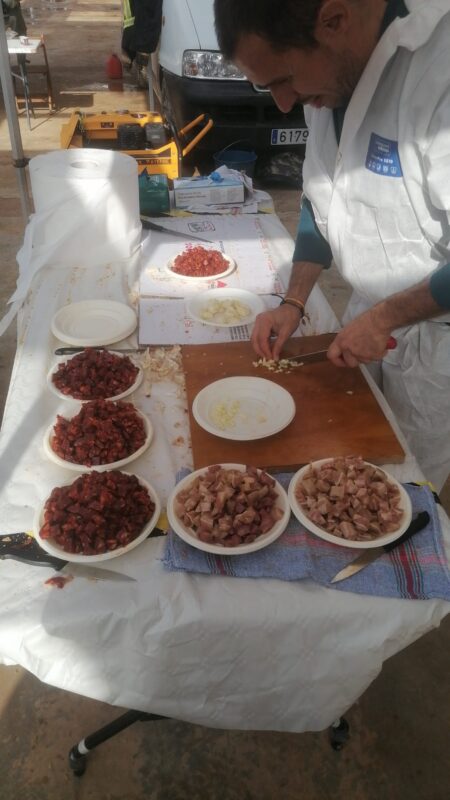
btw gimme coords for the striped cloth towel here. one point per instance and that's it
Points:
(416, 570)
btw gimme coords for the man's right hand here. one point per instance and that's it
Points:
(280, 324)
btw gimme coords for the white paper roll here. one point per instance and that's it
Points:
(89, 197)
(86, 214)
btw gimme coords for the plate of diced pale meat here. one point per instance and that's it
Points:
(228, 509)
(350, 502)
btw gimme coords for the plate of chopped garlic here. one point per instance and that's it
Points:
(225, 308)
(243, 408)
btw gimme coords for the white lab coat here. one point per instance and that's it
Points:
(382, 201)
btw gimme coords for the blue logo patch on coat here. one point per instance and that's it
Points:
(383, 158)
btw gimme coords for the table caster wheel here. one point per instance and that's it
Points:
(339, 733)
(77, 762)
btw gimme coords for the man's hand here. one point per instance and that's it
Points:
(361, 341)
(280, 323)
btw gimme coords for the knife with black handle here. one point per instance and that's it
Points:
(368, 556)
(24, 548)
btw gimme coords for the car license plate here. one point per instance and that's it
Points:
(289, 135)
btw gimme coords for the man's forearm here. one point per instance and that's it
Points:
(407, 307)
(303, 278)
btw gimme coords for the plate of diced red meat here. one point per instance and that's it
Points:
(98, 516)
(350, 502)
(93, 375)
(101, 434)
(228, 509)
(200, 264)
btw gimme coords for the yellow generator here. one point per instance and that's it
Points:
(153, 142)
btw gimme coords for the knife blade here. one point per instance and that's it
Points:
(66, 351)
(24, 548)
(152, 226)
(369, 556)
(321, 355)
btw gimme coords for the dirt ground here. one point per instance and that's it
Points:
(400, 727)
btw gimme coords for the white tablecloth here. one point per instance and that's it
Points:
(223, 652)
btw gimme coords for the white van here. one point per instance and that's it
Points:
(191, 77)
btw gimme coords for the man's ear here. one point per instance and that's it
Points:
(333, 20)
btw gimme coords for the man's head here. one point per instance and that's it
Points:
(304, 51)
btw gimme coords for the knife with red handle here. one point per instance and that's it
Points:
(320, 355)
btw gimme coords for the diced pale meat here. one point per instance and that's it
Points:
(229, 506)
(350, 499)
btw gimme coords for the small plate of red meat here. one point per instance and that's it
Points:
(228, 509)
(350, 502)
(93, 375)
(98, 516)
(200, 264)
(99, 435)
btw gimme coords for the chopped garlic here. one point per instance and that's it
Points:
(283, 365)
(225, 312)
(224, 414)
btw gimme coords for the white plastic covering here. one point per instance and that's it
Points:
(219, 651)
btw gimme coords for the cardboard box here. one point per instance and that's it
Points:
(205, 191)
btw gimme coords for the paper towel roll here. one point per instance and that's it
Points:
(87, 214)
(88, 196)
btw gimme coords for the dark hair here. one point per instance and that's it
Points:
(283, 23)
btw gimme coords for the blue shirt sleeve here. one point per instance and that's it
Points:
(310, 245)
(440, 286)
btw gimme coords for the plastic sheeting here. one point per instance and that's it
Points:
(222, 652)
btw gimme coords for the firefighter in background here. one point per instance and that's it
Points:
(140, 36)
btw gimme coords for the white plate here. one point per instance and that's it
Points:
(405, 504)
(197, 303)
(264, 407)
(55, 550)
(93, 323)
(97, 467)
(209, 278)
(70, 397)
(189, 536)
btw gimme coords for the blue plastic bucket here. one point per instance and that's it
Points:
(242, 160)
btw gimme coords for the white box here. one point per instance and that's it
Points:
(205, 191)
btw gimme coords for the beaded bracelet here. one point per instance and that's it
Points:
(292, 301)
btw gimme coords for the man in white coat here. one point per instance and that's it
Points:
(374, 77)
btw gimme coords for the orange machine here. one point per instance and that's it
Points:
(152, 141)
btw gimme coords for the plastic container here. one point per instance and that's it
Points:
(235, 158)
(153, 194)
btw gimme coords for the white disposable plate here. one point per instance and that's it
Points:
(55, 550)
(69, 397)
(197, 303)
(97, 467)
(264, 407)
(92, 323)
(311, 526)
(189, 536)
(208, 278)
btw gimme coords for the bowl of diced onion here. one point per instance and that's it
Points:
(225, 307)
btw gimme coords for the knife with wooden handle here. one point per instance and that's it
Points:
(369, 556)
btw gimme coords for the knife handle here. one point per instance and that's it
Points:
(417, 524)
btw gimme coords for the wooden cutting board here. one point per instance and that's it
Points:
(337, 413)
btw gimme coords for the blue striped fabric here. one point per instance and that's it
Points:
(416, 570)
